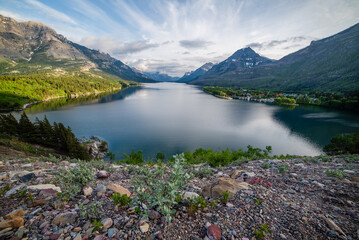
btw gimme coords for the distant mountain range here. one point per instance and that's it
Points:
(191, 76)
(27, 47)
(330, 64)
(161, 77)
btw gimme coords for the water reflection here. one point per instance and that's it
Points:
(172, 118)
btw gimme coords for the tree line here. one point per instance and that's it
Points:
(43, 133)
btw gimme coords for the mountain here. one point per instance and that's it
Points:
(329, 64)
(27, 47)
(191, 76)
(161, 77)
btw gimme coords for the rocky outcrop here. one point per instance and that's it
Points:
(220, 185)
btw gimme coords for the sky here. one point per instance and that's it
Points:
(175, 37)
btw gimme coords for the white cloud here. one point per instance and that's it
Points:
(51, 12)
(15, 16)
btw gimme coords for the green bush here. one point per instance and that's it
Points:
(265, 165)
(343, 143)
(160, 187)
(194, 204)
(283, 168)
(336, 174)
(71, 180)
(121, 199)
(91, 211)
(134, 158)
(203, 172)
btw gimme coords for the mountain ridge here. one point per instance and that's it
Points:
(190, 76)
(328, 64)
(36, 43)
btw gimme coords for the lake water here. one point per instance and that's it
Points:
(173, 117)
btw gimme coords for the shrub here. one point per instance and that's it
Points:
(121, 199)
(134, 158)
(101, 165)
(265, 165)
(97, 226)
(159, 187)
(343, 143)
(91, 211)
(203, 172)
(336, 174)
(261, 231)
(73, 179)
(194, 204)
(225, 197)
(283, 168)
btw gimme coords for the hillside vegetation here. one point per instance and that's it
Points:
(17, 90)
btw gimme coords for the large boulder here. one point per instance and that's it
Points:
(220, 185)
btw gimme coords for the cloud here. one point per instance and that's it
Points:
(115, 47)
(15, 16)
(192, 44)
(281, 43)
(51, 12)
(132, 47)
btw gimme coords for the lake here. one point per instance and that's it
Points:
(173, 117)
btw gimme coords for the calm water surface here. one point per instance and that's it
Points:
(172, 118)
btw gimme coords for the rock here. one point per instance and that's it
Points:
(100, 237)
(14, 189)
(12, 223)
(214, 232)
(44, 186)
(20, 232)
(229, 205)
(189, 195)
(15, 213)
(64, 218)
(144, 227)
(259, 181)
(118, 189)
(101, 189)
(153, 214)
(111, 232)
(5, 232)
(334, 226)
(17, 173)
(38, 202)
(78, 237)
(107, 223)
(220, 185)
(27, 177)
(355, 179)
(3, 176)
(54, 236)
(236, 173)
(87, 190)
(45, 193)
(102, 174)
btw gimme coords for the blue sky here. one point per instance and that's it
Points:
(174, 37)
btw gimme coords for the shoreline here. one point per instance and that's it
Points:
(27, 105)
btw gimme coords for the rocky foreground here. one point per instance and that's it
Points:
(304, 198)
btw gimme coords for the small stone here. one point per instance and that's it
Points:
(355, 179)
(20, 232)
(87, 190)
(107, 223)
(64, 218)
(334, 226)
(144, 227)
(44, 186)
(14, 189)
(102, 174)
(15, 213)
(152, 214)
(101, 189)
(214, 232)
(78, 237)
(229, 205)
(27, 177)
(118, 189)
(38, 202)
(47, 193)
(54, 236)
(77, 229)
(111, 232)
(189, 195)
(100, 237)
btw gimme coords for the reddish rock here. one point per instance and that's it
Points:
(54, 236)
(15, 213)
(259, 181)
(214, 232)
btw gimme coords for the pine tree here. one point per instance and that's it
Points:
(27, 129)
(9, 124)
